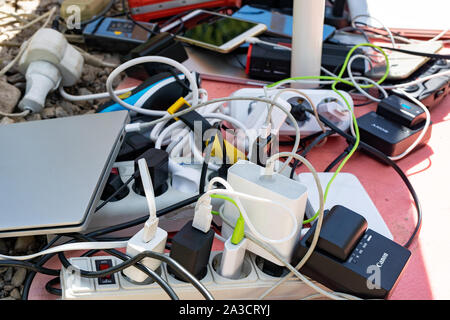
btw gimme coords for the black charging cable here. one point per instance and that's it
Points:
(386, 160)
(99, 232)
(315, 142)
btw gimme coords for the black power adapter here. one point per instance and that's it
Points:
(191, 248)
(350, 258)
(268, 62)
(394, 126)
(163, 44)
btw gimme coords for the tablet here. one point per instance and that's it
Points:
(214, 31)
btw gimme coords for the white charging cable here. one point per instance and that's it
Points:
(133, 62)
(205, 201)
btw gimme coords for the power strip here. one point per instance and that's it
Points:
(253, 283)
(134, 205)
(247, 111)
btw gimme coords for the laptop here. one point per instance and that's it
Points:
(52, 172)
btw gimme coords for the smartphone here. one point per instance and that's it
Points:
(213, 30)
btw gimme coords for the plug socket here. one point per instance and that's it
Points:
(158, 166)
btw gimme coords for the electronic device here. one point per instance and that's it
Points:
(146, 10)
(54, 171)
(245, 176)
(273, 63)
(347, 191)
(116, 35)
(350, 258)
(214, 31)
(219, 67)
(250, 285)
(253, 114)
(162, 44)
(402, 65)
(394, 126)
(158, 92)
(336, 15)
(277, 23)
(432, 91)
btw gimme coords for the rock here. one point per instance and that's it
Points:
(48, 112)
(8, 274)
(19, 277)
(6, 120)
(33, 117)
(15, 294)
(8, 287)
(89, 73)
(3, 247)
(9, 97)
(60, 112)
(22, 243)
(70, 108)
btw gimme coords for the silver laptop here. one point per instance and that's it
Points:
(52, 172)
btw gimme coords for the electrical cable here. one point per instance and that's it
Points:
(124, 257)
(103, 231)
(382, 24)
(28, 266)
(115, 193)
(385, 159)
(315, 142)
(146, 59)
(68, 247)
(142, 126)
(49, 286)
(338, 159)
(236, 196)
(178, 268)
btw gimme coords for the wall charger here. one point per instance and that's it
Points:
(350, 258)
(247, 177)
(394, 126)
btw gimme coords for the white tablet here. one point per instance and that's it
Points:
(214, 31)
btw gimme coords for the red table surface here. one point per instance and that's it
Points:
(426, 275)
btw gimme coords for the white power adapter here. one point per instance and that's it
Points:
(137, 245)
(247, 177)
(151, 237)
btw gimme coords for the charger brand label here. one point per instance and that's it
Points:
(380, 128)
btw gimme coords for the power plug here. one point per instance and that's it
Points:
(249, 178)
(137, 245)
(150, 238)
(191, 248)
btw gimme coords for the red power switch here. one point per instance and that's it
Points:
(101, 265)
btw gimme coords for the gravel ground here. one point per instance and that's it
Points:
(12, 87)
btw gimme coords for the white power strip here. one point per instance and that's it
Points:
(134, 205)
(253, 283)
(252, 114)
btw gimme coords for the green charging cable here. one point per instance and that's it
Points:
(333, 87)
(239, 228)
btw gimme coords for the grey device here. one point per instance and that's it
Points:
(53, 172)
